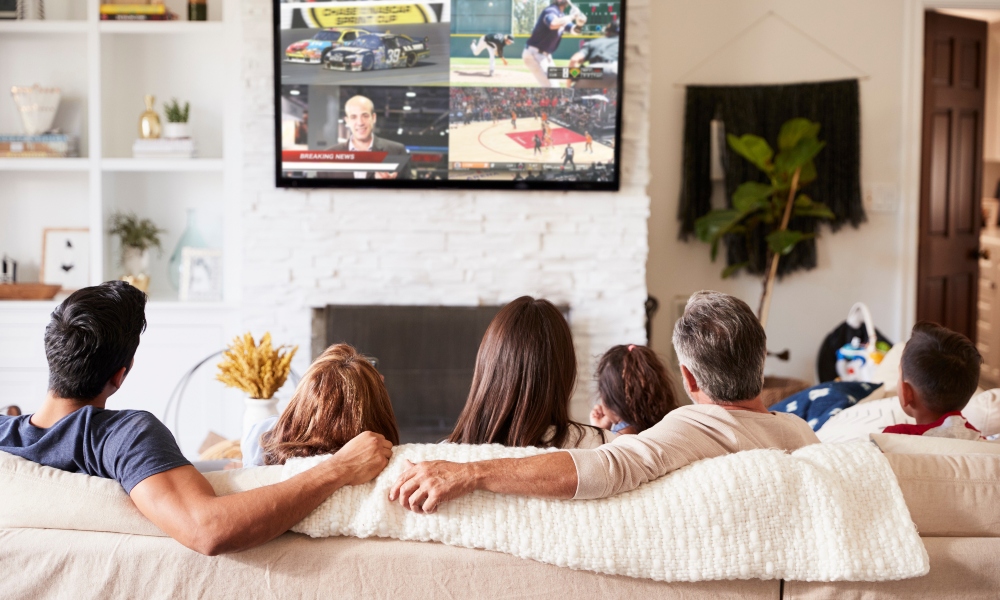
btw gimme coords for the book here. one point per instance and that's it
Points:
(60, 145)
(41, 137)
(166, 17)
(164, 148)
(133, 9)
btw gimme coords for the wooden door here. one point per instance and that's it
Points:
(951, 180)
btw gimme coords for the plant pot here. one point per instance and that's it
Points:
(135, 260)
(176, 131)
(258, 410)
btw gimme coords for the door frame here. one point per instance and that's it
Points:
(910, 139)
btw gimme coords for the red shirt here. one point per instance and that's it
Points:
(950, 425)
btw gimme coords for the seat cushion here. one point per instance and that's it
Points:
(84, 565)
(51, 498)
(950, 495)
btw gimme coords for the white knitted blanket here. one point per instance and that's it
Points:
(827, 512)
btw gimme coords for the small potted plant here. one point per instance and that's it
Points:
(259, 370)
(177, 120)
(137, 237)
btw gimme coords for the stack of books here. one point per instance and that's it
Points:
(164, 148)
(135, 10)
(46, 145)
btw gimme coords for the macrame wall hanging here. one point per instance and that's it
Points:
(712, 111)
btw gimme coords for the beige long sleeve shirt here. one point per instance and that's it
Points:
(687, 434)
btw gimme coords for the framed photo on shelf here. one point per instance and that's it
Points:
(66, 258)
(201, 275)
(991, 210)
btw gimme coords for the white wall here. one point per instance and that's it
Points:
(307, 249)
(865, 264)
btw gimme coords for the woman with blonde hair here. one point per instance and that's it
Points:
(339, 397)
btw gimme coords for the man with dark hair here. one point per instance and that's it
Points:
(721, 348)
(938, 374)
(90, 344)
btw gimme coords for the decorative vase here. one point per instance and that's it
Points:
(176, 131)
(37, 106)
(191, 238)
(136, 264)
(149, 122)
(258, 410)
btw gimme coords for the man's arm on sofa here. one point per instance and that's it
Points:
(425, 486)
(183, 504)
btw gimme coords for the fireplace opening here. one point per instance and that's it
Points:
(427, 355)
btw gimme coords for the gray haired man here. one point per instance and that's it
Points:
(721, 347)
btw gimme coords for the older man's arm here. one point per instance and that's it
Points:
(619, 466)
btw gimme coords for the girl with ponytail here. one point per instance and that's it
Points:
(634, 390)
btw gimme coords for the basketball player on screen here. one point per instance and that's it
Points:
(590, 142)
(545, 38)
(513, 119)
(494, 44)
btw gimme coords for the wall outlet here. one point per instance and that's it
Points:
(881, 198)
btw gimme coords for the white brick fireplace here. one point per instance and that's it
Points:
(305, 249)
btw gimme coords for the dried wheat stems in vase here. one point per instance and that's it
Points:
(259, 370)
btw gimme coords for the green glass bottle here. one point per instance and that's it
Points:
(197, 10)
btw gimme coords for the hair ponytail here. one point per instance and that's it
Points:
(634, 384)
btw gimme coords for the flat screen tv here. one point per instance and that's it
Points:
(469, 94)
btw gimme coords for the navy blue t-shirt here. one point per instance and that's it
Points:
(125, 445)
(543, 36)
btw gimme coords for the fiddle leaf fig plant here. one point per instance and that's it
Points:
(760, 208)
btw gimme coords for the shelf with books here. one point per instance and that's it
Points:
(160, 27)
(37, 27)
(44, 164)
(162, 165)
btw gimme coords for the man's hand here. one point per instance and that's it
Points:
(364, 457)
(422, 488)
(505, 63)
(386, 175)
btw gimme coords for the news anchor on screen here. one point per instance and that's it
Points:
(359, 114)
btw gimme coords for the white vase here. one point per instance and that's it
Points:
(135, 260)
(258, 410)
(176, 131)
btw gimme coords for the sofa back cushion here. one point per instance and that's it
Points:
(950, 495)
(42, 497)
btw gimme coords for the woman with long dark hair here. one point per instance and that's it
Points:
(524, 378)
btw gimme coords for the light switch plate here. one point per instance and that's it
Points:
(881, 198)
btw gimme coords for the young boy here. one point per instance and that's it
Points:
(938, 374)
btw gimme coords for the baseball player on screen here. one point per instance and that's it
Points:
(545, 38)
(494, 44)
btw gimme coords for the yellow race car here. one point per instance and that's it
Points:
(316, 49)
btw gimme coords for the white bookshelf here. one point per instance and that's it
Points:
(104, 69)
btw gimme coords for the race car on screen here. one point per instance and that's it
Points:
(377, 51)
(315, 49)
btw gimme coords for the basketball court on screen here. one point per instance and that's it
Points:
(485, 141)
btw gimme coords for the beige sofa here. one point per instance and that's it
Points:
(64, 535)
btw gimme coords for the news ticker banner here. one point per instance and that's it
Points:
(349, 160)
(322, 15)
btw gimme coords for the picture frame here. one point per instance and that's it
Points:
(201, 275)
(991, 212)
(66, 257)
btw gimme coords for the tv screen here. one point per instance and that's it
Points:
(474, 94)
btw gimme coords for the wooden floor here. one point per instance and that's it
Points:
(485, 142)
